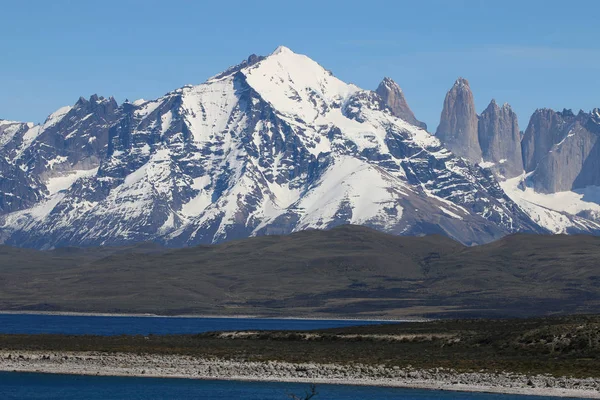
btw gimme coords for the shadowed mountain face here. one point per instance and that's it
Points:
(349, 270)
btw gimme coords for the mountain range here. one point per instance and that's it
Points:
(278, 144)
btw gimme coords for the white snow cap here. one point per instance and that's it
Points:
(294, 83)
(281, 50)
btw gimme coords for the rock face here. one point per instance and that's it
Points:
(561, 150)
(500, 140)
(458, 128)
(394, 98)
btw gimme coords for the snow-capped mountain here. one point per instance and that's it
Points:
(273, 145)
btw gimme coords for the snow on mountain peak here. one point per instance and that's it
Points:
(390, 83)
(7, 122)
(296, 85)
(282, 50)
(56, 116)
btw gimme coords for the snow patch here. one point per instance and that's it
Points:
(353, 184)
(56, 117)
(207, 108)
(60, 183)
(450, 213)
(548, 209)
(201, 201)
(56, 161)
(166, 121)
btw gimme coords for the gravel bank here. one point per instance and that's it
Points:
(172, 366)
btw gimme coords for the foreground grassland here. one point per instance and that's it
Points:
(559, 346)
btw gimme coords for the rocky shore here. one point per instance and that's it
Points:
(174, 366)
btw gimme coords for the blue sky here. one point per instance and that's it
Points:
(528, 53)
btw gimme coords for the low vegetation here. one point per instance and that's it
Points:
(560, 346)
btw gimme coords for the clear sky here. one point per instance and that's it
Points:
(529, 53)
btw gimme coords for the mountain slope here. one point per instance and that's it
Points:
(276, 144)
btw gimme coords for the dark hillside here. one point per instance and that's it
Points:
(346, 271)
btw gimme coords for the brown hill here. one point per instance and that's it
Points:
(347, 271)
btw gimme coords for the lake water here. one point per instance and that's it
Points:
(29, 386)
(126, 325)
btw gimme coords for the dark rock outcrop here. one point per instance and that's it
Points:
(458, 122)
(393, 97)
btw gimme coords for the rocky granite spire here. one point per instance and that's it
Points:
(458, 122)
(394, 98)
(500, 140)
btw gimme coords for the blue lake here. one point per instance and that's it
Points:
(126, 325)
(30, 386)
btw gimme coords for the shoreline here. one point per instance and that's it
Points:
(187, 367)
(207, 316)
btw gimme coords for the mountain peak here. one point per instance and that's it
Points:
(500, 140)
(461, 83)
(282, 50)
(458, 122)
(296, 85)
(253, 59)
(392, 95)
(389, 82)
